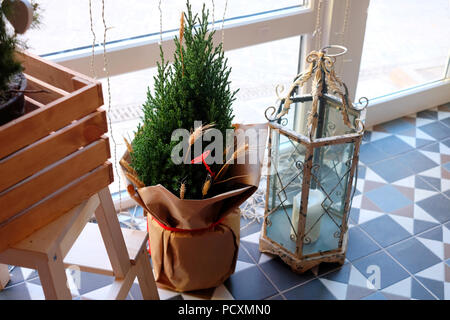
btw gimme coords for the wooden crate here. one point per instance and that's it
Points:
(55, 156)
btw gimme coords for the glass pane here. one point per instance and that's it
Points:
(285, 182)
(335, 125)
(333, 118)
(66, 25)
(256, 71)
(329, 181)
(406, 44)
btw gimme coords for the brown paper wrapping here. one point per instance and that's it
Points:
(204, 254)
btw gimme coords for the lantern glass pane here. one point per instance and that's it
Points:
(285, 182)
(302, 110)
(328, 193)
(334, 124)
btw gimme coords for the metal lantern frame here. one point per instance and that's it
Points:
(309, 168)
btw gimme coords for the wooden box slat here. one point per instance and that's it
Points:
(50, 208)
(44, 92)
(37, 124)
(52, 148)
(49, 72)
(53, 177)
(31, 104)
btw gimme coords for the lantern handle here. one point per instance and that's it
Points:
(334, 46)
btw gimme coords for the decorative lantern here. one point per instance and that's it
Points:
(313, 158)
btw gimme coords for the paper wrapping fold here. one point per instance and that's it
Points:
(200, 256)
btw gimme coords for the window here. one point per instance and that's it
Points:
(398, 50)
(406, 45)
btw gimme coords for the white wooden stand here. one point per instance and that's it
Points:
(72, 242)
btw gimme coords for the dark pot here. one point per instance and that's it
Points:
(15, 107)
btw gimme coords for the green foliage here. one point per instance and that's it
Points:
(8, 65)
(195, 87)
(9, 42)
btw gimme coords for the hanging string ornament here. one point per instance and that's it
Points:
(181, 40)
(108, 85)
(94, 39)
(223, 21)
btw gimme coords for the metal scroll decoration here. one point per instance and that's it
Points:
(321, 67)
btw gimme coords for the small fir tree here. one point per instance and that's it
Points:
(195, 87)
(8, 42)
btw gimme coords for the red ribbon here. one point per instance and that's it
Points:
(178, 229)
(201, 158)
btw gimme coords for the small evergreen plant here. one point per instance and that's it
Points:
(8, 42)
(195, 87)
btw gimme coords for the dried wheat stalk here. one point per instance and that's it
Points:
(206, 185)
(135, 180)
(196, 134)
(129, 147)
(127, 166)
(241, 150)
(182, 190)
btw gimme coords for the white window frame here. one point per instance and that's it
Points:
(393, 105)
(134, 55)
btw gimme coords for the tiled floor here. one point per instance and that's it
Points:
(400, 228)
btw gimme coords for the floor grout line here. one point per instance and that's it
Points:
(398, 262)
(260, 269)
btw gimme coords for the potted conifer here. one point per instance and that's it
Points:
(193, 204)
(20, 14)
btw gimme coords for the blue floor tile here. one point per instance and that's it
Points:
(437, 287)
(388, 198)
(375, 296)
(282, 275)
(385, 230)
(397, 126)
(437, 206)
(391, 169)
(359, 244)
(16, 292)
(313, 290)
(428, 114)
(417, 162)
(370, 154)
(436, 130)
(390, 271)
(419, 292)
(428, 183)
(392, 145)
(250, 284)
(413, 255)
